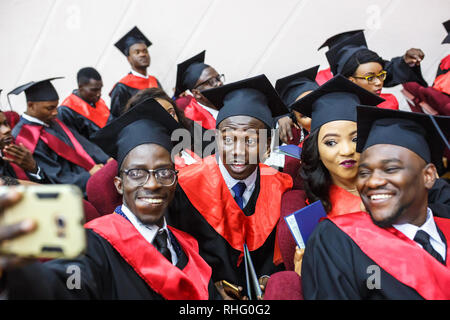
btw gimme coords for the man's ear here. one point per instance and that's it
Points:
(352, 79)
(429, 175)
(30, 106)
(119, 185)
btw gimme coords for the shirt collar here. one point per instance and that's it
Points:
(429, 227)
(137, 74)
(213, 112)
(230, 181)
(35, 120)
(148, 231)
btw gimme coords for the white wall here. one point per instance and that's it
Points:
(242, 38)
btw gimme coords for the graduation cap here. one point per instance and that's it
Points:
(254, 97)
(147, 122)
(447, 28)
(332, 41)
(291, 87)
(335, 100)
(418, 132)
(133, 36)
(188, 72)
(38, 91)
(341, 52)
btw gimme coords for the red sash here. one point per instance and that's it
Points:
(98, 115)
(20, 173)
(399, 256)
(342, 201)
(323, 76)
(29, 135)
(197, 113)
(163, 277)
(139, 83)
(204, 186)
(442, 81)
(390, 103)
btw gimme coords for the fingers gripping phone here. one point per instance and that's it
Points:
(59, 215)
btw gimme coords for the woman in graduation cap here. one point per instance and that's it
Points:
(134, 45)
(349, 56)
(131, 253)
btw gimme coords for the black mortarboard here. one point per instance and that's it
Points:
(341, 52)
(38, 91)
(335, 100)
(414, 131)
(254, 97)
(188, 73)
(447, 28)
(291, 87)
(133, 36)
(332, 41)
(147, 122)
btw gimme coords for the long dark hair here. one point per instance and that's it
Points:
(360, 57)
(315, 175)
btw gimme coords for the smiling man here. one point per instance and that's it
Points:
(398, 249)
(134, 45)
(84, 110)
(231, 198)
(65, 156)
(132, 253)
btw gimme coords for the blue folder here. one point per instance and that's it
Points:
(291, 150)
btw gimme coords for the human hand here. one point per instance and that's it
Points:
(229, 291)
(285, 125)
(21, 156)
(413, 57)
(298, 258)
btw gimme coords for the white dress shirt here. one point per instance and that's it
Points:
(429, 227)
(148, 231)
(137, 74)
(33, 119)
(250, 182)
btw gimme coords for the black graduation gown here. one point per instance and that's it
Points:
(214, 249)
(334, 267)
(7, 170)
(104, 275)
(76, 121)
(399, 72)
(57, 169)
(120, 95)
(439, 198)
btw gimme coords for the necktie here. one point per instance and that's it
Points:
(238, 190)
(160, 243)
(423, 239)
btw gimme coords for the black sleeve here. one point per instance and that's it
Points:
(439, 198)
(55, 279)
(399, 72)
(119, 98)
(327, 270)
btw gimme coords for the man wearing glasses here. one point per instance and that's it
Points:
(131, 253)
(194, 76)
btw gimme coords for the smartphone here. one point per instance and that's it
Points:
(231, 290)
(59, 215)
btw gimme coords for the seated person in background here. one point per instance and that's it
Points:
(349, 56)
(84, 110)
(16, 160)
(131, 253)
(134, 45)
(398, 249)
(186, 156)
(193, 76)
(65, 156)
(230, 199)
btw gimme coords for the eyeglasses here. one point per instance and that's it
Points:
(139, 177)
(371, 78)
(212, 81)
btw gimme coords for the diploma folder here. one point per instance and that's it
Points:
(291, 150)
(301, 223)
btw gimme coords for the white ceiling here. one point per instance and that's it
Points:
(242, 38)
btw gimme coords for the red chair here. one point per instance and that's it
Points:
(284, 285)
(100, 189)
